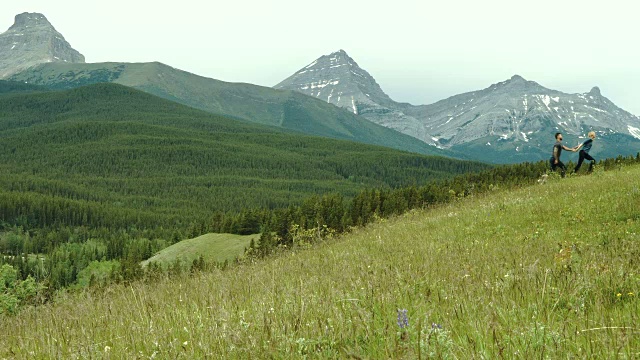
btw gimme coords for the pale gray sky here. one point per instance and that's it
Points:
(419, 51)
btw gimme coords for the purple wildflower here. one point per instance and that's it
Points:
(435, 326)
(403, 318)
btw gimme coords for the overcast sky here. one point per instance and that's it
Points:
(419, 51)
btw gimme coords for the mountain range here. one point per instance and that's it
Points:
(247, 102)
(510, 121)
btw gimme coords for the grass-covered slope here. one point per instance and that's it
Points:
(286, 109)
(110, 155)
(548, 271)
(214, 248)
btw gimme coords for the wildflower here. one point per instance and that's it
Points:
(631, 294)
(618, 294)
(107, 348)
(435, 326)
(403, 319)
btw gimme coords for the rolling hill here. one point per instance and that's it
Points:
(263, 105)
(109, 155)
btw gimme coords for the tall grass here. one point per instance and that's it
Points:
(548, 271)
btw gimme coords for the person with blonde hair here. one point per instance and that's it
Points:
(584, 152)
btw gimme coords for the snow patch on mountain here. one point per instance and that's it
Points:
(346, 85)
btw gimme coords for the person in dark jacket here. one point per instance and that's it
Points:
(584, 152)
(555, 156)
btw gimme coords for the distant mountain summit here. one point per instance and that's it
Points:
(522, 115)
(30, 41)
(337, 79)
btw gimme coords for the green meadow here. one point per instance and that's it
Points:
(545, 271)
(214, 248)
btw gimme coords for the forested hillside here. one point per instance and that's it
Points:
(98, 178)
(107, 155)
(10, 87)
(256, 104)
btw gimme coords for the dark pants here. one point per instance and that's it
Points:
(558, 165)
(584, 155)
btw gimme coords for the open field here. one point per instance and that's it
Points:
(547, 271)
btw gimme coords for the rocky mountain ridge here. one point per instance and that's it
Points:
(337, 79)
(516, 109)
(517, 114)
(30, 41)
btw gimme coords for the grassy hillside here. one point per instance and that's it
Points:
(548, 271)
(109, 155)
(286, 109)
(214, 248)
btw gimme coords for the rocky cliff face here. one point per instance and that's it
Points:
(30, 41)
(337, 79)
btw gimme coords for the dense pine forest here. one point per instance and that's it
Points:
(150, 162)
(94, 180)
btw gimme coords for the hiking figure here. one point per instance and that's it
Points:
(555, 156)
(584, 153)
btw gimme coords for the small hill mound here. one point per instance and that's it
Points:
(214, 248)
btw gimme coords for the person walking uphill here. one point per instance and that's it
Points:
(584, 152)
(555, 156)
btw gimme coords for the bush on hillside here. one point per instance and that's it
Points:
(15, 293)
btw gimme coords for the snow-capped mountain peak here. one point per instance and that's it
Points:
(338, 79)
(515, 116)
